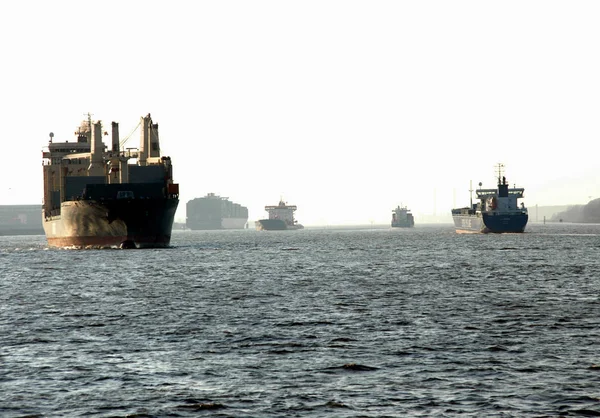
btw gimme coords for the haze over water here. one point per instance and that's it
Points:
(344, 108)
(318, 322)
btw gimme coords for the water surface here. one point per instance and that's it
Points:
(318, 322)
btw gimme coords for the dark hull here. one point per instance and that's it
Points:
(128, 223)
(407, 223)
(505, 223)
(271, 225)
(276, 225)
(488, 223)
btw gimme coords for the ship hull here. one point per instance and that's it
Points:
(271, 225)
(408, 223)
(275, 225)
(489, 223)
(234, 223)
(216, 224)
(126, 223)
(505, 223)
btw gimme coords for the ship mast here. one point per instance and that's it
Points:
(90, 127)
(471, 193)
(500, 168)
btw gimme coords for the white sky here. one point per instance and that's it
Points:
(344, 108)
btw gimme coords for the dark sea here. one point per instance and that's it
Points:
(346, 322)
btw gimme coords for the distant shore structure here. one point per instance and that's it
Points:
(281, 217)
(21, 220)
(215, 212)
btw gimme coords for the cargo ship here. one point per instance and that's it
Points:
(97, 198)
(21, 220)
(496, 211)
(402, 218)
(281, 217)
(215, 212)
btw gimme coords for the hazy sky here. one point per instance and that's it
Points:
(344, 108)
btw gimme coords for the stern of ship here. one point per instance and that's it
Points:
(499, 223)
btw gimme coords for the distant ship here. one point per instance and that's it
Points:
(281, 217)
(497, 210)
(96, 198)
(215, 212)
(21, 220)
(402, 218)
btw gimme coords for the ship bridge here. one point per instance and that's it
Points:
(514, 192)
(292, 207)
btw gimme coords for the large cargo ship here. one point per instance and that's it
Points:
(496, 211)
(215, 212)
(402, 218)
(21, 220)
(98, 198)
(281, 217)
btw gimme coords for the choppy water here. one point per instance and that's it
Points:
(344, 323)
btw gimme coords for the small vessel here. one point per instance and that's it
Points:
(215, 212)
(281, 217)
(497, 210)
(402, 218)
(96, 198)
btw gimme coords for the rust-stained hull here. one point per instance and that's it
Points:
(139, 223)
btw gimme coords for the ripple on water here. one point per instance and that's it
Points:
(310, 323)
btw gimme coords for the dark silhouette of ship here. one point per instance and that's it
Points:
(95, 197)
(215, 212)
(402, 218)
(281, 217)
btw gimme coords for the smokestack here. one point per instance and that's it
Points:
(96, 167)
(123, 170)
(115, 137)
(154, 150)
(144, 140)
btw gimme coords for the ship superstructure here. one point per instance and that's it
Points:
(281, 217)
(94, 197)
(215, 212)
(402, 218)
(496, 210)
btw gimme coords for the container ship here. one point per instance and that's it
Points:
(96, 198)
(402, 218)
(497, 210)
(281, 217)
(215, 212)
(21, 220)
